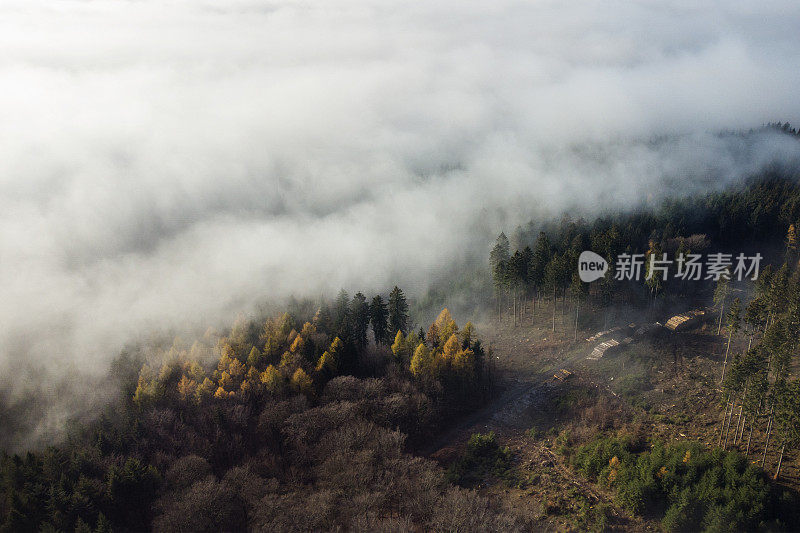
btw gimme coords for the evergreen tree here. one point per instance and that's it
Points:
(733, 323)
(341, 314)
(360, 313)
(498, 259)
(539, 260)
(379, 318)
(398, 312)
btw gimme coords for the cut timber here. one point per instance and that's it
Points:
(562, 375)
(603, 333)
(686, 321)
(605, 348)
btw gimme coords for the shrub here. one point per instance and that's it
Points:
(482, 456)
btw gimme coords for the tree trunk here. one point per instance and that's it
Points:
(514, 306)
(725, 362)
(721, 310)
(730, 419)
(741, 430)
(766, 444)
(554, 309)
(749, 439)
(738, 423)
(780, 461)
(724, 421)
(577, 308)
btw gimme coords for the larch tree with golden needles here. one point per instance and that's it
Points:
(272, 380)
(302, 382)
(422, 362)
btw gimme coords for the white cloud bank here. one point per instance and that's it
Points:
(164, 161)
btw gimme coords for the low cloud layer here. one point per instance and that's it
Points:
(168, 161)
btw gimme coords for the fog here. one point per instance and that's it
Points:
(173, 162)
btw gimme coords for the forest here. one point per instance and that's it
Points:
(316, 418)
(289, 423)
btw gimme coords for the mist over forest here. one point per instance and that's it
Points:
(167, 166)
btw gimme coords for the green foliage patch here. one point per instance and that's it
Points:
(686, 486)
(483, 456)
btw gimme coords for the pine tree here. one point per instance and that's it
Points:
(398, 311)
(379, 318)
(733, 323)
(341, 314)
(359, 311)
(787, 417)
(540, 259)
(498, 258)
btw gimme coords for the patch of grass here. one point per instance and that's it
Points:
(570, 399)
(632, 385)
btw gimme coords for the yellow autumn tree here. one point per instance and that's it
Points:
(226, 356)
(236, 369)
(187, 388)
(336, 346)
(399, 346)
(421, 361)
(276, 334)
(451, 347)
(255, 357)
(326, 363)
(445, 325)
(464, 364)
(272, 380)
(205, 390)
(222, 394)
(308, 330)
(148, 388)
(297, 345)
(433, 335)
(302, 381)
(226, 381)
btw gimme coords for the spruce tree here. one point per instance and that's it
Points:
(379, 318)
(360, 313)
(398, 312)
